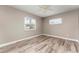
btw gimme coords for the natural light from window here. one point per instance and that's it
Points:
(55, 21)
(29, 23)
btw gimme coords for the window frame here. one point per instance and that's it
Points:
(29, 19)
(55, 21)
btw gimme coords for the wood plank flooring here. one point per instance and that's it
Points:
(46, 44)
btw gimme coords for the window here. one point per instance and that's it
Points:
(55, 21)
(29, 23)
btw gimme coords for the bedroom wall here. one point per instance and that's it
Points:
(12, 24)
(68, 29)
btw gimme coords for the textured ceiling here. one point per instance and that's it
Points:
(47, 11)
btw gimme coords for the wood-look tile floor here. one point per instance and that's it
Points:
(46, 44)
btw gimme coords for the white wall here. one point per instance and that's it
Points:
(12, 24)
(68, 29)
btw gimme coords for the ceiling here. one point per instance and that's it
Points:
(45, 10)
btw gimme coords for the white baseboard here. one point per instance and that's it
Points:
(62, 37)
(13, 42)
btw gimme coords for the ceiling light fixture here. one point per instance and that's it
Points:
(45, 8)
